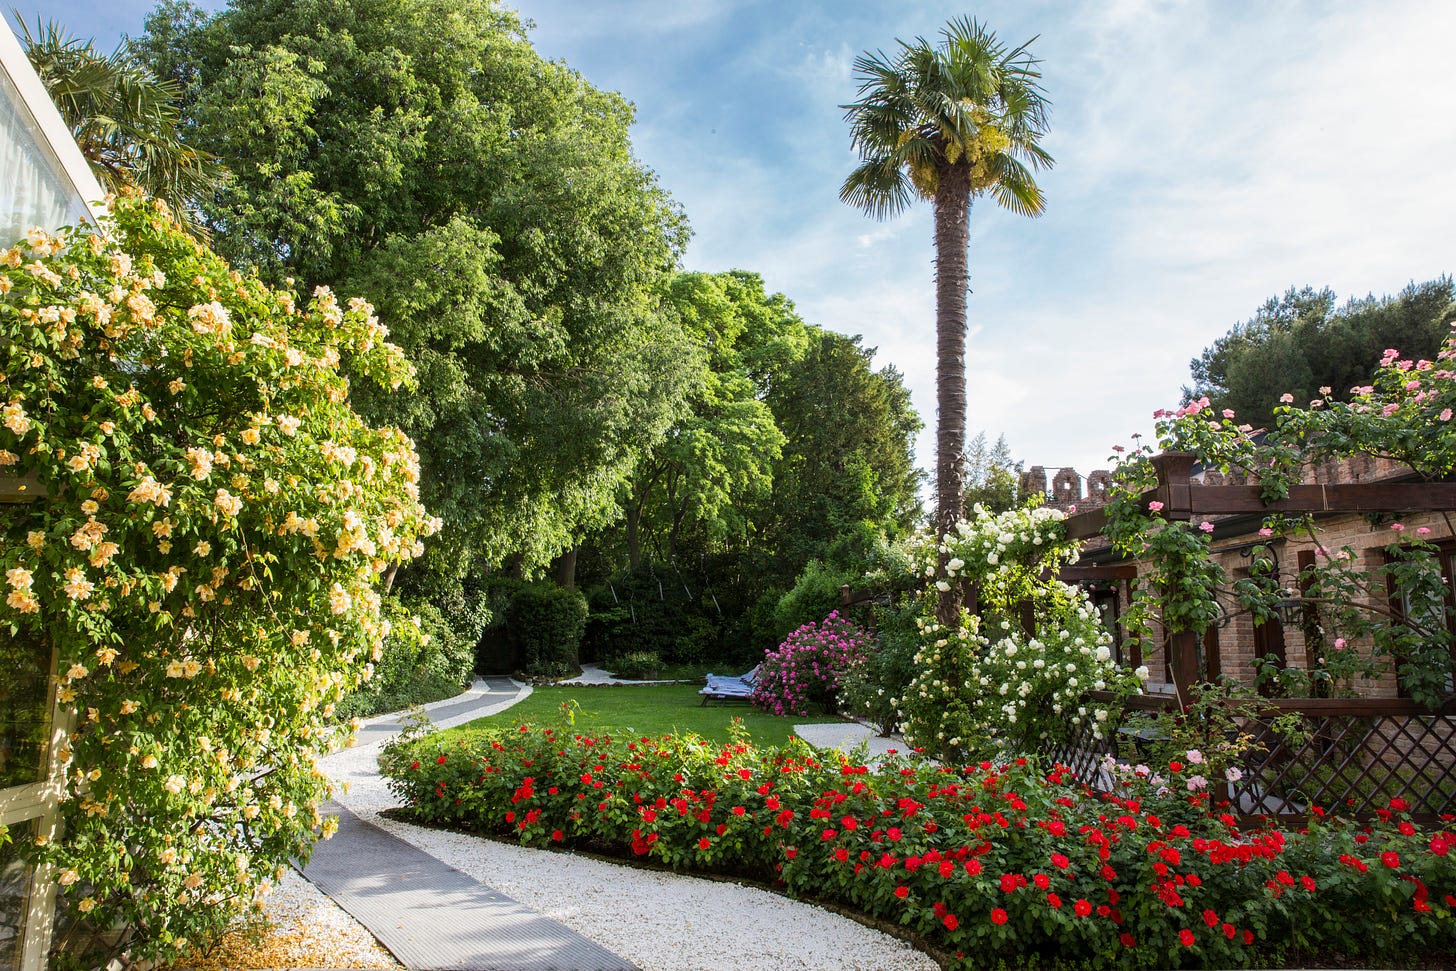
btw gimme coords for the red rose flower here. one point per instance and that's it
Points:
(1185, 937)
(1391, 859)
(1054, 900)
(902, 892)
(951, 923)
(704, 843)
(1229, 931)
(1042, 881)
(1082, 908)
(1127, 940)
(841, 854)
(999, 916)
(1008, 882)
(1210, 918)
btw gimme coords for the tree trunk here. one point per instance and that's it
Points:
(566, 569)
(634, 541)
(952, 239)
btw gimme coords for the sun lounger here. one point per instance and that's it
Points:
(725, 688)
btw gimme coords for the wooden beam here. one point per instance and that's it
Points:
(20, 488)
(1085, 525)
(1115, 571)
(1341, 497)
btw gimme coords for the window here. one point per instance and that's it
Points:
(35, 189)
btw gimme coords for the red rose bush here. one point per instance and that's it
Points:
(986, 861)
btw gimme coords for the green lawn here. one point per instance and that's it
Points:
(644, 710)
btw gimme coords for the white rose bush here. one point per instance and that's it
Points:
(1012, 677)
(210, 524)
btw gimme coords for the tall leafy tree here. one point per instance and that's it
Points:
(125, 120)
(423, 153)
(716, 463)
(847, 478)
(1302, 341)
(948, 122)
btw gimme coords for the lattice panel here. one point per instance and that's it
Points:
(1083, 754)
(1353, 765)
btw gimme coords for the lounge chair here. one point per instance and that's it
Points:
(725, 688)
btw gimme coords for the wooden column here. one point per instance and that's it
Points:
(1175, 493)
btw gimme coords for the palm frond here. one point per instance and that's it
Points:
(879, 187)
(1015, 189)
(126, 121)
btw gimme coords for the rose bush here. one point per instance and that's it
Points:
(806, 669)
(1011, 676)
(210, 522)
(990, 861)
(1404, 413)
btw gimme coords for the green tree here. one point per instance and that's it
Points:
(948, 123)
(717, 461)
(426, 141)
(993, 477)
(847, 479)
(1301, 342)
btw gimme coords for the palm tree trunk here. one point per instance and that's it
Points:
(952, 239)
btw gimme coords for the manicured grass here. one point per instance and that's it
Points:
(649, 710)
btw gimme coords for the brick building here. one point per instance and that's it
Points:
(1232, 647)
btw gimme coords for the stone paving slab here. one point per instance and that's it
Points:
(432, 917)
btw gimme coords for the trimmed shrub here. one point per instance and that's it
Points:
(815, 595)
(544, 624)
(637, 666)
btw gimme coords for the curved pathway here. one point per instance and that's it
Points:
(648, 919)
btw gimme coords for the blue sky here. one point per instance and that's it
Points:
(1209, 156)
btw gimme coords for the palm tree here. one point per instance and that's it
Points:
(948, 123)
(125, 120)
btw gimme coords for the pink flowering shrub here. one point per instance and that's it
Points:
(808, 666)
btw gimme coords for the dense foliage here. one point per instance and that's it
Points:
(1301, 342)
(544, 624)
(425, 658)
(794, 449)
(422, 152)
(995, 861)
(214, 522)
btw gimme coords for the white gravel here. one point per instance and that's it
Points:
(659, 921)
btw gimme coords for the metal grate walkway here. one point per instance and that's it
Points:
(432, 917)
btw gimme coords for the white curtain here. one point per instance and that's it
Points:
(32, 190)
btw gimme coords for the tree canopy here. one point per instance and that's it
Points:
(426, 143)
(1302, 342)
